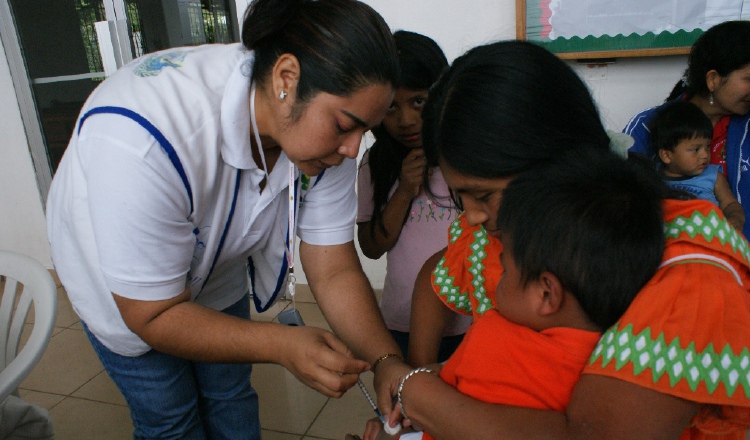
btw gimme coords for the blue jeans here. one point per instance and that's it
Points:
(173, 398)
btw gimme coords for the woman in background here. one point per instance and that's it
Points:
(717, 81)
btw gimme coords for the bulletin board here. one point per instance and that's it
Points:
(585, 29)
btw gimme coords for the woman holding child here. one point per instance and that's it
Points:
(676, 364)
(717, 80)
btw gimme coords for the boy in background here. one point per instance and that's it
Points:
(681, 135)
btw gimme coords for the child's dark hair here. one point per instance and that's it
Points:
(421, 61)
(677, 121)
(593, 220)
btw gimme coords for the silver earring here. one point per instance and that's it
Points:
(282, 95)
(711, 98)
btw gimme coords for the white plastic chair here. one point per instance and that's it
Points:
(26, 281)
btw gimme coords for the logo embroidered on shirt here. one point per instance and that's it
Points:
(152, 65)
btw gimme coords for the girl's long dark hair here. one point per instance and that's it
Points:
(422, 61)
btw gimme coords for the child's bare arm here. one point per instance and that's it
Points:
(728, 203)
(429, 316)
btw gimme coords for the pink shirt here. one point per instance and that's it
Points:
(424, 233)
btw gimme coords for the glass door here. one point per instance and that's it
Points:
(64, 48)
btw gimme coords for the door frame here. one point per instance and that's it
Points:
(22, 83)
(25, 98)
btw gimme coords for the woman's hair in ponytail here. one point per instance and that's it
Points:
(342, 45)
(264, 18)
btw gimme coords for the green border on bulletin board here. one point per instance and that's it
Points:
(604, 43)
(619, 42)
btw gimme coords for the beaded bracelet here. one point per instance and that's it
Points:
(382, 358)
(403, 381)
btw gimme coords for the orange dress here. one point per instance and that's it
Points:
(687, 333)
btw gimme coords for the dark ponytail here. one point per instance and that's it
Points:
(679, 88)
(342, 45)
(264, 18)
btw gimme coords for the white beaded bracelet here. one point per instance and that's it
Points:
(401, 385)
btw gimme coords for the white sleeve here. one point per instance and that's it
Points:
(327, 212)
(139, 210)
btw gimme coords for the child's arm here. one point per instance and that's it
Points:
(728, 203)
(429, 317)
(372, 240)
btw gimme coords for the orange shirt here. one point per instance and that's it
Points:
(502, 362)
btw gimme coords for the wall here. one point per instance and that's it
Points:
(621, 89)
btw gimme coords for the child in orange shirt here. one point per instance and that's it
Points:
(580, 237)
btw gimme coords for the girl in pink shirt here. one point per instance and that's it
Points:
(397, 214)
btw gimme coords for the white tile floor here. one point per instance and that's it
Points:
(71, 383)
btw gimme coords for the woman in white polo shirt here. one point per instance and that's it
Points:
(179, 175)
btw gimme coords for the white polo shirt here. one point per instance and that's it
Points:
(123, 218)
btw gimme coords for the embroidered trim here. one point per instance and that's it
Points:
(427, 210)
(709, 227)
(455, 230)
(152, 65)
(659, 357)
(477, 269)
(450, 292)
